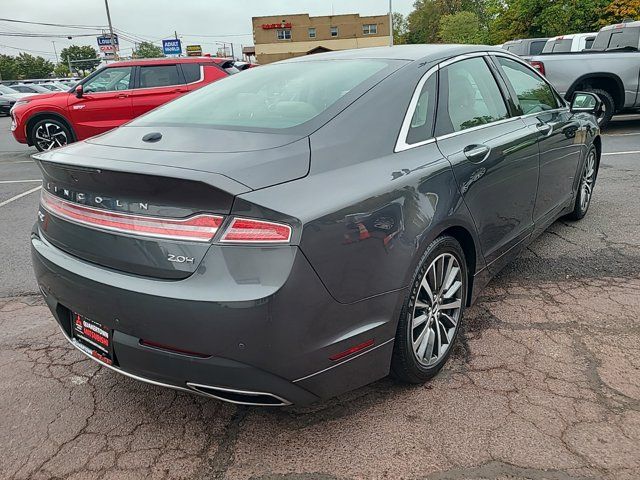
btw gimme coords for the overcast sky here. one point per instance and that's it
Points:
(202, 22)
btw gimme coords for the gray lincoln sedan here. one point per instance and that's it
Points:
(304, 228)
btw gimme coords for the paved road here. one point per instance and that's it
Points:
(544, 384)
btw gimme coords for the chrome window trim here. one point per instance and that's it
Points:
(401, 142)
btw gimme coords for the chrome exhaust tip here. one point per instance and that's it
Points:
(239, 397)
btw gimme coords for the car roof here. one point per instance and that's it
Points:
(424, 52)
(163, 61)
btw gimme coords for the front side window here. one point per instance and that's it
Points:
(421, 127)
(312, 32)
(108, 80)
(274, 96)
(370, 29)
(534, 94)
(469, 97)
(283, 33)
(159, 76)
(334, 31)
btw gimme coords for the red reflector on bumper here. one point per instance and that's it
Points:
(352, 350)
(199, 228)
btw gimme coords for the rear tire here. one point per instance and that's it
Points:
(588, 177)
(608, 106)
(50, 133)
(432, 312)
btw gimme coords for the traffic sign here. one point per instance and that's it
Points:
(194, 50)
(172, 46)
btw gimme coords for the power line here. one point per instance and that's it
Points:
(45, 35)
(85, 27)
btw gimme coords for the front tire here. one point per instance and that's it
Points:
(50, 133)
(587, 182)
(432, 312)
(608, 107)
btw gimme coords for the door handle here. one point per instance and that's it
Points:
(476, 153)
(544, 128)
(179, 90)
(123, 95)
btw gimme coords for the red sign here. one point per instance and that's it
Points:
(271, 26)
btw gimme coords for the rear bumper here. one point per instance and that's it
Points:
(266, 343)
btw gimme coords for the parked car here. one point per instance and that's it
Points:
(526, 46)
(244, 65)
(9, 93)
(298, 230)
(30, 88)
(5, 105)
(110, 97)
(569, 43)
(610, 69)
(55, 86)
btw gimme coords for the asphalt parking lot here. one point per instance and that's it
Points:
(544, 384)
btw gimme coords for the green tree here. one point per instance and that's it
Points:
(422, 23)
(8, 67)
(619, 10)
(61, 70)
(29, 66)
(399, 29)
(84, 58)
(461, 27)
(147, 50)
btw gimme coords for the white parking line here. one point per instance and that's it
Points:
(24, 194)
(632, 152)
(620, 134)
(19, 181)
(16, 161)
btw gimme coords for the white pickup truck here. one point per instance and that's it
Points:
(611, 69)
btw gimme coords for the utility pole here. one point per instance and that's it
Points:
(390, 23)
(55, 51)
(113, 43)
(233, 55)
(175, 33)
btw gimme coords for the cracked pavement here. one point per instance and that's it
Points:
(543, 384)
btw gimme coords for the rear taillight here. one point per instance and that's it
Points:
(199, 228)
(247, 230)
(539, 66)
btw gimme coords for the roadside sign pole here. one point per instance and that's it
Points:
(390, 23)
(113, 43)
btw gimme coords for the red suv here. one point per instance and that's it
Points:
(110, 97)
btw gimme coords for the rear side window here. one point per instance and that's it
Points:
(422, 121)
(537, 46)
(274, 96)
(469, 97)
(191, 72)
(159, 76)
(534, 94)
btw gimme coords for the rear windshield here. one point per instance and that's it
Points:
(536, 47)
(557, 46)
(275, 96)
(516, 48)
(617, 38)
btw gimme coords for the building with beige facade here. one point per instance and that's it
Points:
(285, 36)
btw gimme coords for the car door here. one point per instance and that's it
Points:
(493, 154)
(105, 102)
(156, 85)
(560, 146)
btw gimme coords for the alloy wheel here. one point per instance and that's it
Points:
(50, 135)
(437, 310)
(588, 178)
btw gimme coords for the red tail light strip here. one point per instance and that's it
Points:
(199, 228)
(246, 230)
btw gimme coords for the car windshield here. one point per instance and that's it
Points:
(275, 96)
(7, 91)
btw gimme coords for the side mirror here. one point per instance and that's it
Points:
(79, 91)
(586, 102)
